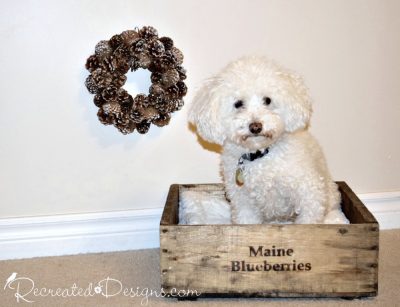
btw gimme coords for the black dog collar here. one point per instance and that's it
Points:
(251, 156)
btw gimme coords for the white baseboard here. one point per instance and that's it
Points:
(385, 207)
(71, 234)
(28, 237)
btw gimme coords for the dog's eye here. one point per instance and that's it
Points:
(238, 104)
(267, 101)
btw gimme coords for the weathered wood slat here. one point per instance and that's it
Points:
(170, 213)
(353, 207)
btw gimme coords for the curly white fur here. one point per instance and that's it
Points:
(291, 182)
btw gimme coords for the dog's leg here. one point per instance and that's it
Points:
(333, 195)
(310, 201)
(244, 211)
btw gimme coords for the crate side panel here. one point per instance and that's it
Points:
(314, 259)
(353, 207)
(170, 212)
(168, 244)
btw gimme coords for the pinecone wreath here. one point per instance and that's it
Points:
(134, 49)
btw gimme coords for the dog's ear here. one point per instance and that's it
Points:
(296, 102)
(204, 112)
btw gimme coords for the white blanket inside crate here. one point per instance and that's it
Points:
(203, 207)
(209, 206)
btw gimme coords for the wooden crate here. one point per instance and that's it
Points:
(314, 260)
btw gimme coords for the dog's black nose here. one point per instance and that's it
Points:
(255, 128)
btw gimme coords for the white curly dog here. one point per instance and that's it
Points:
(274, 171)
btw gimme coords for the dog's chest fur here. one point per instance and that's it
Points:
(269, 182)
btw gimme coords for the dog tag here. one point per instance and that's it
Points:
(239, 177)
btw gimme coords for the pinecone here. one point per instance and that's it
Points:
(136, 114)
(125, 100)
(91, 85)
(173, 91)
(134, 63)
(178, 104)
(178, 55)
(167, 61)
(103, 49)
(122, 66)
(156, 99)
(150, 114)
(92, 63)
(140, 101)
(129, 37)
(167, 42)
(169, 78)
(99, 100)
(162, 120)
(126, 106)
(181, 71)
(121, 119)
(120, 61)
(115, 41)
(156, 48)
(156, 89)
(111, 108)
(171, 106)
(138, 46)
(143, 127)
(155, 66)
(102, 78)
(121, 52)
(127, 128)
(105, 119)
(163, 106)
(109, 93)
(182, 88)
(155, 77)
(119, 80)
(144, 60)
(148, 33)
(163, 63)
(110, 64)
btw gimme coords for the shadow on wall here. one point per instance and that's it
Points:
(106, 136)
(206, 145)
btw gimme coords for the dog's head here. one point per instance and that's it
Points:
(251, 103)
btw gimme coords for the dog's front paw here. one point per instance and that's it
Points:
(303, 220)
(336, 217)
(246, 217)
(246, 221)
(308, 219)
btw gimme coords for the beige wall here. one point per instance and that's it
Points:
(55, 157)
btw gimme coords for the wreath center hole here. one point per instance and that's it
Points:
(138, 82)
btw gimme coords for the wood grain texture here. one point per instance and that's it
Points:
(170, 213)
(353, 207)
(314, 260)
